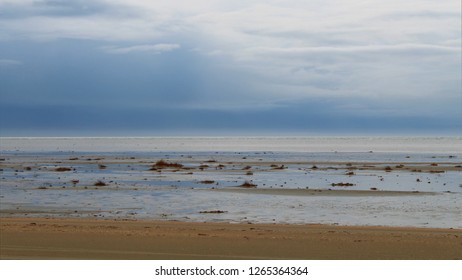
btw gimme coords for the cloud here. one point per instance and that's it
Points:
(10, 62)
(81, 19)
(411, 49)
(237, 25)
(157, 48)
(391, 56)
(74, 7)
(59, 8)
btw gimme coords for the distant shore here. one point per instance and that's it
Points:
(41, 238)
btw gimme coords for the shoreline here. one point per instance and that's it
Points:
(78, 238)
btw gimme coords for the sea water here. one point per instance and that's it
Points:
(234, 144)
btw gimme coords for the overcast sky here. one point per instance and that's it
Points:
(139, 67)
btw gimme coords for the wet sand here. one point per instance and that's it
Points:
(42, 238)
(319, 192)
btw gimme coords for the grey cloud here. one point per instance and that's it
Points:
(400, 48)
(64, 8)
(259, 54)
(309, 116)
(70, 8)
(318, 38)
(421, 14)
(10, 62)
(85, 20)
(157, 48)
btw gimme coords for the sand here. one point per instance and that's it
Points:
(318, 192)
(42, 238)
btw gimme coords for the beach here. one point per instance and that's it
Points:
(190, 198)
(39, 238)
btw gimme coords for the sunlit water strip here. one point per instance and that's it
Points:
(279, 144)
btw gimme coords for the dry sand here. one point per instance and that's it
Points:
(41, 238)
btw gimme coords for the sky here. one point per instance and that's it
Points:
(154, 68)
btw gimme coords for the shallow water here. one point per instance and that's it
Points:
(234, 144)
(428, 181)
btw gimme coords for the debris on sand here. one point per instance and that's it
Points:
(165, 164)
(207, 182)
(62, 169)
(100, 183)
(342, 184)
(213, 212)
(203, 166)
(248, 184)
(276, 167)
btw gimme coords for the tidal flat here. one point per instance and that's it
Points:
(378, 188)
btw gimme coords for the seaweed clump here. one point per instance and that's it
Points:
(207, 182)
(248, 184)
(342, 184)
(100, 183)
(213, 212)
(165, 164)
(62, 169)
